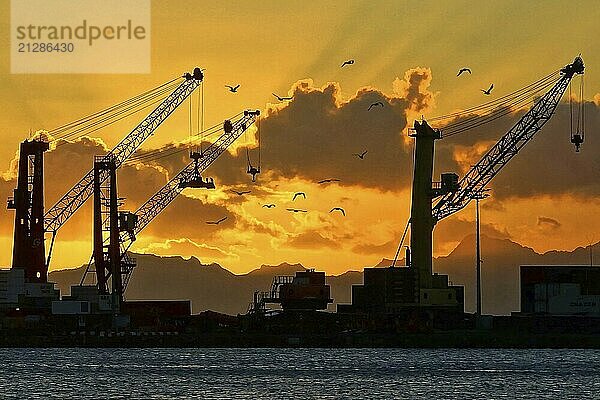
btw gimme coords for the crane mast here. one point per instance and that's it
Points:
(58, 214)
(71, 201)
(453, 194)
(163, 197)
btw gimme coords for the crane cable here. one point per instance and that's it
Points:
(512, 101)
(577, 127)
(571, 109)
(93, 126)
(172, 149)
(90, 127)
(258, 139)
(500, 100)
(515, 102)
(258, 147)
(165, 151)
(190, 118)
(400, 245)
(581, 127)
(108, 109)
(67, 129)
(494, 109)
(201, 118)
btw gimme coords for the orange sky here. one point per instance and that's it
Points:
(268, 47)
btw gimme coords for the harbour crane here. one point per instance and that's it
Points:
(31, 226)
(451, 194)
(124, 234)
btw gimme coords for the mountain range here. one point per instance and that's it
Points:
(212, 287)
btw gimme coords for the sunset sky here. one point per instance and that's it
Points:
(406, 55)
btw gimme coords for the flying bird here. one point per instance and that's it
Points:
(295, 210)
(240, 193)
(460, 71)
(268, 205)
(282, 98)
(349, 62)
(216, 222)
(489, 91)
(338, 209)
(379, 103)
(361, 155)
(299, 194)
(233, 89)
(328, 180)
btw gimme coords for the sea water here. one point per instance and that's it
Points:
(299, 374)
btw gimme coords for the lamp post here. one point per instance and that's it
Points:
(478, 196)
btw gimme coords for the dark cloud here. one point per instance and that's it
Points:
(65, 165)
(548, 165)
(493, 204)
(315, 135)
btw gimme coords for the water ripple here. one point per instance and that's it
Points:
(299, 373)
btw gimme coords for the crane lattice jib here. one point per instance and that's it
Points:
(161, 199)
(475, 181)
(56, 216)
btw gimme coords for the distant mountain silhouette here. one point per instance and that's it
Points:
(212, 287)
(500, 270)
(386, 262)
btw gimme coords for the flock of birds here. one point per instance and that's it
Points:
(294, 197)
(303, 195)
(487, 92)
(361, 156)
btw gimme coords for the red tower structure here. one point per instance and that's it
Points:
(28, 203)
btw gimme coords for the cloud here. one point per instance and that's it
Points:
(63, 167)
(188, 248)
(383, 249)
(414, 87)
(315, 135)
(535, 170)
(311, 138)
(493, 204)
(186, 217)
(548, 222)
(448, 233)
(69, 161)
(312, 240)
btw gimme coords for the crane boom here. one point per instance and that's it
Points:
(475, 181)
(56, 216)
(162, 198)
